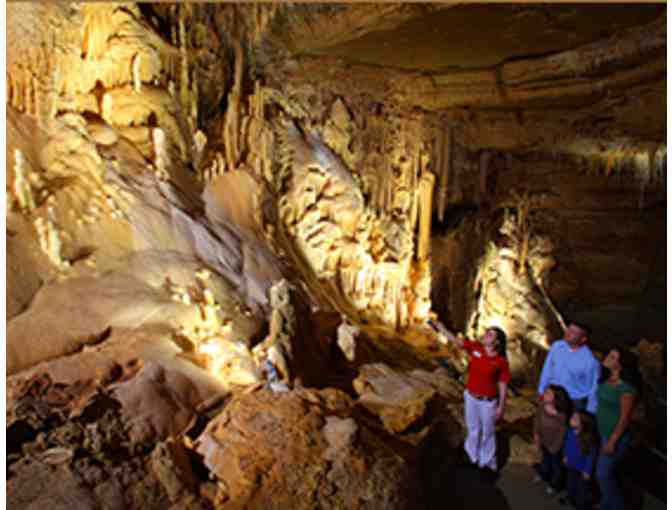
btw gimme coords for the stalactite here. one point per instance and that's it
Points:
(10, 89)
(37, 111)
(439, 153)
(185, 99)
(390, 193)
(135, 70)
(95, 30)
(21, 96)
(382, 175)
(426, 192)
(193, 107)
(653, 170)
(18, 95)
(232, 120)
(30, 94)
(259, 96)
(645, 171)
(27, 87)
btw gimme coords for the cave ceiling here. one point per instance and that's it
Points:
(482, 62)
(483, 36)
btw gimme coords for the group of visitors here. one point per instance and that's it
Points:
(581, 425)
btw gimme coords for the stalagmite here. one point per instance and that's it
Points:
(199, 143)
(162, 158)
(426, 192)
(346, 339)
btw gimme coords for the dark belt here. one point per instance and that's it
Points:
(482, 397)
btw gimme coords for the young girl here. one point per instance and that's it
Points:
(550, 427)
(580, 453)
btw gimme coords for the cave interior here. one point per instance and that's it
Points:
(193, 189)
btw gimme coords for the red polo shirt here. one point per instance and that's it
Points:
(485, 371)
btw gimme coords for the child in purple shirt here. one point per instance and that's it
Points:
(580, 453)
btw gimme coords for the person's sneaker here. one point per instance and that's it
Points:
(550, 491)
(537, 479)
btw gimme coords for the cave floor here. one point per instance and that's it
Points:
(514, 490)
(519, 492)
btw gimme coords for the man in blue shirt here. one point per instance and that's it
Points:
(571, 364)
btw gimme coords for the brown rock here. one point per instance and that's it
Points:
(36, 486)
(170, 464)
(340, 433)
(285, 450)
(399, 400)
(110, 495)
(443, 383)
(157, 403)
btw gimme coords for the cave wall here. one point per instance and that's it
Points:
(609, 237)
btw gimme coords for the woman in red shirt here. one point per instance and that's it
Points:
(485, 395)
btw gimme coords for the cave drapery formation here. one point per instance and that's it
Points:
(170, 165)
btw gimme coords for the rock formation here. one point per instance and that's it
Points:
(193, 189)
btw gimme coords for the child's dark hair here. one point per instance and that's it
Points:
(562, 402)
(501, 340)
(588, 437)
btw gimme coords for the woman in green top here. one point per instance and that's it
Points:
(616, 402)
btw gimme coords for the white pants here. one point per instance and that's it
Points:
(480, 417)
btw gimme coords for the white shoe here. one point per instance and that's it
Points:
(536, 479)
(550, 491)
